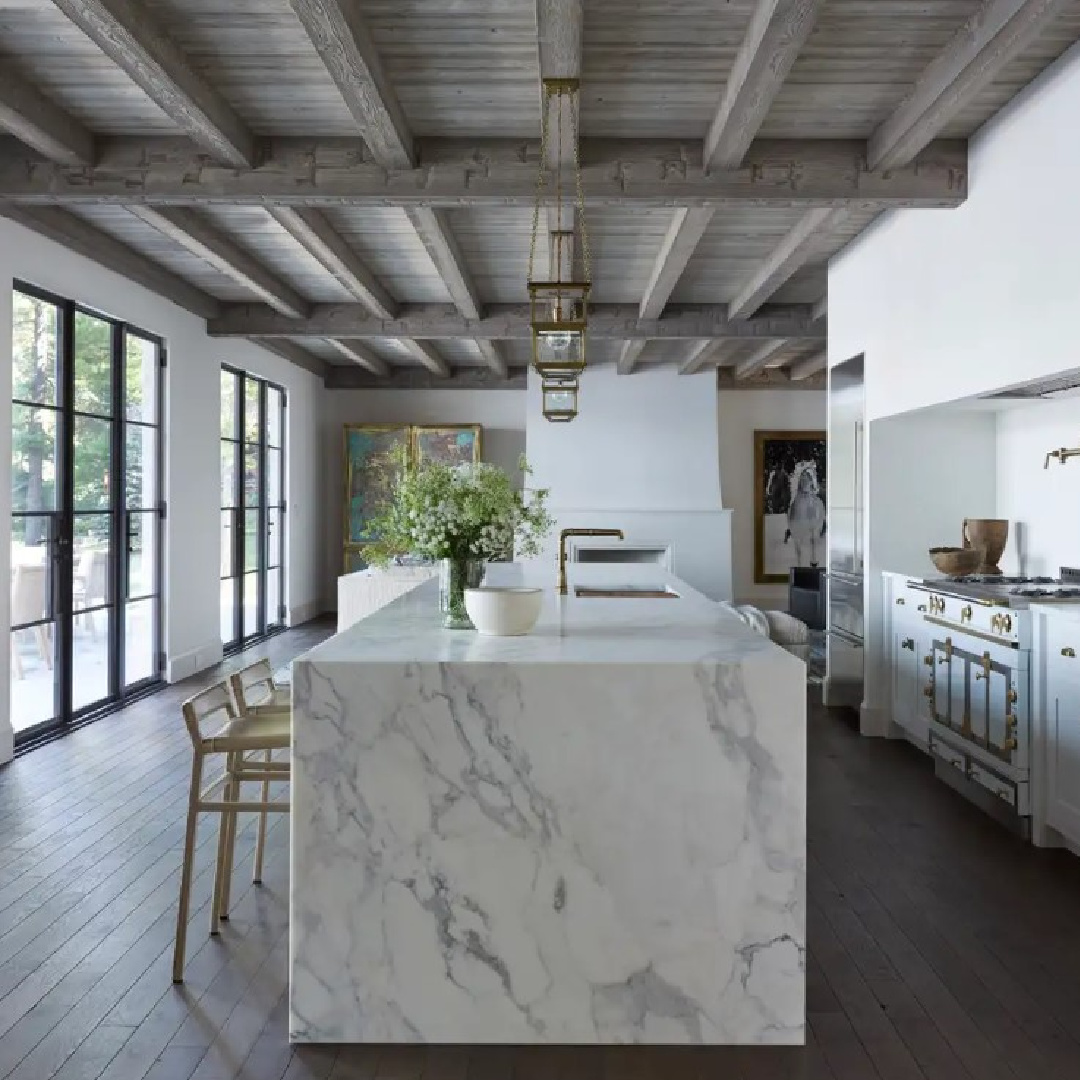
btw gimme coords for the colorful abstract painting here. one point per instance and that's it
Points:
(454, 445)
(370, 473)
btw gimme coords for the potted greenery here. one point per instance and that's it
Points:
(464, 516)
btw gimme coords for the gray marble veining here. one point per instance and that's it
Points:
(594, 834)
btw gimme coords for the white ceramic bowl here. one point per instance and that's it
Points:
(503, 612)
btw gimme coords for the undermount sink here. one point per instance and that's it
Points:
(630, 592)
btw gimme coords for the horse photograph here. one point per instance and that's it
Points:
(790, 527)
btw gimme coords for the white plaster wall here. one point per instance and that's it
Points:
(742, 412)
(501, 413)
(950, 303)
(642, 455)
(1042, 504)
(192, 419)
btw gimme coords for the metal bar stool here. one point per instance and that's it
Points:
(255, 695)
(215, 728)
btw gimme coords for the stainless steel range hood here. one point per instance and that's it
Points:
(1051, 389)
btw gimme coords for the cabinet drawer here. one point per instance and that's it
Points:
(1063, 651)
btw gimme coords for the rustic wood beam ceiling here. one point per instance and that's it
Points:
(688, 225)
(511, 322)
(698, 357)
(341, 377)
(820, 309)
(299, 356)
(40, 123)
(629, 354)
(810, 366)
(787, 257)
(343, 41)
(620, 173)
(132, 38)
(760, 358)
(80, 236)
(980, 50)
(427, 357)
(318, 237)
(769, 379)
(778, 30)
(198, 236)
(359, 353)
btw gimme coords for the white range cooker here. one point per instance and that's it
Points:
(978, 680)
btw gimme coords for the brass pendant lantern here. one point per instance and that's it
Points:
(559, 305)
(560, 401)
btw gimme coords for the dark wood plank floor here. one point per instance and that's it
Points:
(940, 947)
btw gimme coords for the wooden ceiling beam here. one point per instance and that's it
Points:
(130, 35)
(778, 30)
(299, 356)
(197, 235)
(759, 359)
(769, 379)
(511, 322)
(698, 357)
(320, 239)
(349, 377)
(426, 355)
(803, 369)
(687, 227)
(40, 123)
(433, 228)
(785, 259)
(807, 173)
(359, 353)
(820, 309)
(493, 357)
(975, 56)
(344, 43)
(629, 354)
(80, 236)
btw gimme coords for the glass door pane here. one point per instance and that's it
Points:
(232, 481)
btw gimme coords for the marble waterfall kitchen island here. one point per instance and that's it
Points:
(595, 833)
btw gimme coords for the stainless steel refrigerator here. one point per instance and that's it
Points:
(845, 497)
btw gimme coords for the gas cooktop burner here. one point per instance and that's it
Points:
(1002, 579)
(1061, 593)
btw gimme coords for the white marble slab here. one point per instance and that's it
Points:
(594, 834)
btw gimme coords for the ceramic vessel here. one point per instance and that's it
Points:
(990, 535)
(503, 612)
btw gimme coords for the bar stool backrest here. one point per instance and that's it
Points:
(253, 685)
(212, 707)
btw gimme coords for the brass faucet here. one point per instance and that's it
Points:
(617, 533)
(1062, 455)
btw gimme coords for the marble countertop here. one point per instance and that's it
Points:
(571, 630)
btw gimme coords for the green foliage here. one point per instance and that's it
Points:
(458, 511)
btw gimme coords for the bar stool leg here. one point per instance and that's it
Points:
(230, 842)
(228, 795)
(260, 841)
(185, 872)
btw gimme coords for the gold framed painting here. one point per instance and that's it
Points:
(789, 502)
(453, 444)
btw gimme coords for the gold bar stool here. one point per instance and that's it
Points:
(212, 711)
(257, 695)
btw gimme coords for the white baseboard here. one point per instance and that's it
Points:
(191, 663)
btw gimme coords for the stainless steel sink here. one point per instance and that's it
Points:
(629, 592)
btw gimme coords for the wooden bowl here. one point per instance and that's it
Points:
(956, 561)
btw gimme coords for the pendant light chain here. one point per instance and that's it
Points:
(575, 103)
(540, 179)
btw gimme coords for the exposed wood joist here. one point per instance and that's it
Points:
(201, 238)
(810, 366)
(820, 309)
(319, 238)
(80, 236)
(759, 359)
(629, 354)
(627, 173)
(434, 231)
(340, 377)
(40, 123)
(129, 34)
(685, 231)
(785, 259)
(359, 353)
(493, 357)
(987, 42)
(769, 379)
(511, 322)
(299, 356)
(427, 357)
(343, 41)
(698, 357)
(778, 29)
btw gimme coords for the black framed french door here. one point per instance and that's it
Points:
(87, 512)
(252, 507)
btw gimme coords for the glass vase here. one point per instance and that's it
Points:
(455, 576)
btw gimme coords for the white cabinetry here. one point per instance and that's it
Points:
(1057, 726)
(908, 643)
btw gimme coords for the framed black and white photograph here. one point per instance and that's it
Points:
(789, 502)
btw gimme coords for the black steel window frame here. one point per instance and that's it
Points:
(265, 624)
(62, 524)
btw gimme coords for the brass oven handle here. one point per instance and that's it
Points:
(1006, 622)
(928, 691)
(922, 607)
(1069, 652)
(908, 643)
(1009, 743)
(928, 660)
(980, 675)
(1011, 697)
(965, 613)
(995, 624)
